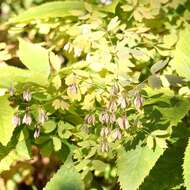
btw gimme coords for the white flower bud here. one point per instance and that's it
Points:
(66, 46)
(122, 102)
(104, 146)
(37, 132)
(123, 122)
(138, 102)
(27, 96)
(42, 116)
(16, 120)
(116, 134)
(27, 119)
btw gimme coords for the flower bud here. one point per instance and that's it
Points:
(37, 132)
(105, 131)
(90, 119)
(112, 118)
(11, 91)
(106, 2)
(122, 102)
(27, 119)
(66, 46)
(104, 146)
(73, 88)
(112, 105)
(16, 120)
(42, 116)
(123, 122)
(114, 89)
(77, 52)
(104, 117)
(116, 134)
(27, 96)
(138, 102)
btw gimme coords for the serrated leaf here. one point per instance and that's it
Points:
(67, 178)
(6, 126)
(186, 166)
(181, 61)
(167, 173)
(34, 57)
(50, 10)
(134, 165)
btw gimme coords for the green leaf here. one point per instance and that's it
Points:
(50, 10)
(34, 57)
(10, 75)
(67, 178)
(186, 166)
(167, 173)
(19, 152)
(181, 61)
(56, 143)
(176, 111)
(158, 66)
(113, 23)
(6, 114)
(134, 165)
(49, 126)
(154, 81)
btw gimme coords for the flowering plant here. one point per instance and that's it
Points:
(102, 87)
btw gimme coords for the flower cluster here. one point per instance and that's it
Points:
(114, 119)
(24, 117)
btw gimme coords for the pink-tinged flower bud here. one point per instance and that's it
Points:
(123, 122)
(37, 132)
(138, 102)
(116, 134)
(104, 117)
(112, 106)
(11, 91)
(73, 88)
(104, 146)
(122, 102)
(27, 119)
(90, 119)
(114, 89)
(27, 95)
(42, 116)
(105, 131)
(16, 120)
(112, 118)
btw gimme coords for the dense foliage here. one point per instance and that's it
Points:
(98, 89)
